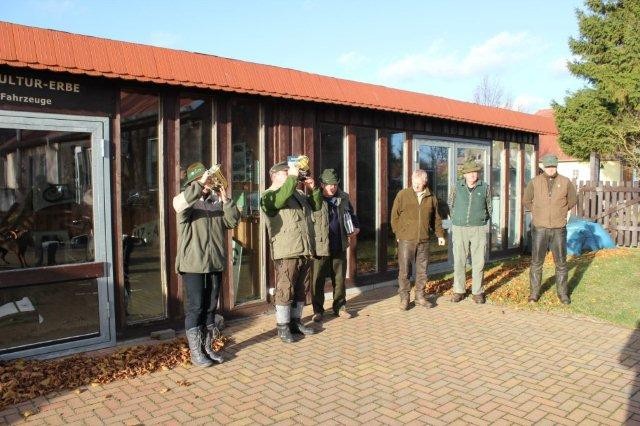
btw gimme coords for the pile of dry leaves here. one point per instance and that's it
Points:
(508, 281)
(22, 380)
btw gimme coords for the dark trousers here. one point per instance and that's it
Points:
(335, 267)
(543, 240)
(292, 280)
(410, 253)
(200, 298)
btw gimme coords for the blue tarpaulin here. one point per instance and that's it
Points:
(583, 235)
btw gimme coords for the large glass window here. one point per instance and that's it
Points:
(515, 205)
(195, 132)
(332, 148)
(529, 173)
(245, 156)
(144, 282)
(46, 202)
(496, 195)
(395, 167)
(43, 313)
(366, 140)
(435, 161)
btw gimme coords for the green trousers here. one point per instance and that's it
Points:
(468, 240)
(334, 267)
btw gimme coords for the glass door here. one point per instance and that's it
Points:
(56, 291)
(435, 158)
(442, 159)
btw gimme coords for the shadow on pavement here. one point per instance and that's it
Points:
(630, 358)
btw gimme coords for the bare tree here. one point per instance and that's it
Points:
(491, 93)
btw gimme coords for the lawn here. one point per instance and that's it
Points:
(603, 284)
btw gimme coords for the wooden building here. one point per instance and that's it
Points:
(95, 136)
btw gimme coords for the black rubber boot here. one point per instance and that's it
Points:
(284, 333)
(211, 333)
(297, 327)
(195, 340)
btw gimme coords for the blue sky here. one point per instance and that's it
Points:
(440, 47)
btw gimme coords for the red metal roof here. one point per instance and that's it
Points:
(548, 143)
(37, 48)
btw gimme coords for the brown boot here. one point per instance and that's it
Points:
(421, 300)
(404, 302)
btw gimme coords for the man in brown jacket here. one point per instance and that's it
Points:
(414, 212)
(549, 196)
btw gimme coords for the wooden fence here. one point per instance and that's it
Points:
(616, 206)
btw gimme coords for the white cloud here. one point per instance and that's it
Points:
(164, 39)
(352, 60)
(503, 49)
(55, 8)
(530, 103)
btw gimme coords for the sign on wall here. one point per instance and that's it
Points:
(38, 91)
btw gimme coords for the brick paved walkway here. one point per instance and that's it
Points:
(457, 363)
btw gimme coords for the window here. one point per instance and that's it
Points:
(332, 148)
(395, 174)
(366, 140)
(195, 132)
(144, 281)
(497, 152)
(245, 177)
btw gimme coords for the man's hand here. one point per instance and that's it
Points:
(204, 177)
(441, 241)
(222, 193)
(355, 232)
(309, 184)
(293, 171)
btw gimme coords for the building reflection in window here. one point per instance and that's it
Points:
(332, 149)
(496, 195)
(144, 283)
(366, 140)
(515, 194)
(195, 132)
(245, 175)
(395, 183)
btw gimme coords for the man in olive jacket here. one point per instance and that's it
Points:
(331, 245)
(203, 216)
(414, 212)
(549, 196)
(470, 206)
(289, 218)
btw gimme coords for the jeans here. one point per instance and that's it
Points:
(335, 267)
(292, 280)
(412, 253)
(468, 240)
(543, 240)
(201, 298)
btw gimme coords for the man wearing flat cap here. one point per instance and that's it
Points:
(549, 196)
(414, 215)
(289, 219)
(203, 214)
(470, 207)
(334, 224)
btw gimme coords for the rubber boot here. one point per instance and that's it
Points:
(296, 325)
(195, 340)
(404, 302)
(210, 334)
(283, 318)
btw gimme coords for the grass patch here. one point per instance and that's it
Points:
(603, 284)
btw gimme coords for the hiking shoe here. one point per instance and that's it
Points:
(479, 298)
(457, 297)
(404, 303)
(343, 313)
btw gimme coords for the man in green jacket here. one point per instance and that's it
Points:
(414, 213)
(549, 196)
(203, 215)
(289, 218)
(470, 207)
(331, 244)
